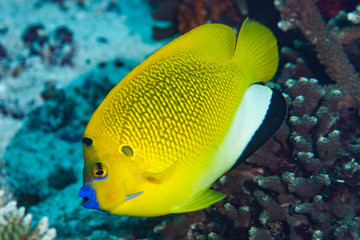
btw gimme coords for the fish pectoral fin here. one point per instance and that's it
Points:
(151, 178)
(200, 201)
(160, 177)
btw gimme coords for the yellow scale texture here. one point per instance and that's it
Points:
(177, 109)
(163, 133)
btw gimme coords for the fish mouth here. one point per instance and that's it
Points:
(85, 199)
(88, 196)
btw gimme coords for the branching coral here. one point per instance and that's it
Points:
(298, 190)
(14, 225)
(306, 16)
(283, 191)
(313, 125)
(311, 130)
(354, 16)
(296, 67)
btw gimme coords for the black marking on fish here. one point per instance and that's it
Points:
(274, 117)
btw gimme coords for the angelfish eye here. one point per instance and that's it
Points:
(99, 170)
(87, 141)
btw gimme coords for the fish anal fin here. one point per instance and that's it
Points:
(201, 200)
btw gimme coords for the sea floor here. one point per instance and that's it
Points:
(58, 59)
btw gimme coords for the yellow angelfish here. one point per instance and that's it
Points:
(180, 120)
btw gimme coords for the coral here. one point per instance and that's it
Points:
(185, 15)
(195, 13)
(272, 211)
(182, 226)
(43, 162)
(330, 52)
(14, 225)
(61, 119)
(61, 46)
(34, 38)
(282, 191)
(164, 11)
(315, 149)
(241, 216)
(310, 130)
(257, 234)
(312, 125)
(354, 16)
(272, 182)
(296, 67)
(276, 149)
(57, 47)
(48, 149)
(302, 184)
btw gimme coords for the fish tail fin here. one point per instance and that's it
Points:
(257, 51)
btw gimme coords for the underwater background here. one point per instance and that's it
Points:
(59, 59)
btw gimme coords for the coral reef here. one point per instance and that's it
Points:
(354, 16)
(326, 41)
(57, 122)
(49, 151)
(15, 225)
(302, 184)
(47, 97)
(56, 47)
(184, 15)
(289, 189)
(195, 13)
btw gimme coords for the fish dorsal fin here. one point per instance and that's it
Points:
(216, 40)
(201, 200)
(257, 49)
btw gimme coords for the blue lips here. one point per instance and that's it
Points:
(89, 197)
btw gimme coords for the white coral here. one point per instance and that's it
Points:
(354, 17)
(15, 225)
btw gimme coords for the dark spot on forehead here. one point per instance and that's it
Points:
(87, 142)
(127, 151)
